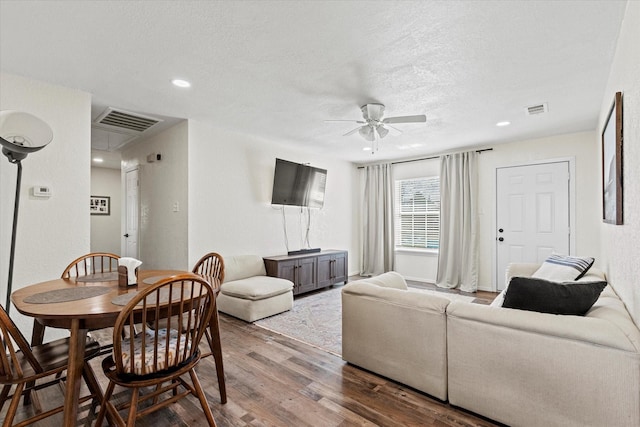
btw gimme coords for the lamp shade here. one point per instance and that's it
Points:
(23, 132)
(382, 131)
(367, 133)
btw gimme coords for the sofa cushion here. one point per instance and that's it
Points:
(243, 266)
(574, 298)
(560, 268)
(256, 288)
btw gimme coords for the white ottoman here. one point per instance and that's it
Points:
(249, 294)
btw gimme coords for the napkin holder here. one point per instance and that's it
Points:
(123, 275)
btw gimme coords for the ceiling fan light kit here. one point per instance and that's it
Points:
(375, 127)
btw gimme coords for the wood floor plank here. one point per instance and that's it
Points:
(274, 380)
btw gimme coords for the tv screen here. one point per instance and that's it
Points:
(298, 185)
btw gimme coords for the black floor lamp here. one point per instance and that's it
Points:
(20, 134)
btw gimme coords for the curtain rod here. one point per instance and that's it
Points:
(428, 158)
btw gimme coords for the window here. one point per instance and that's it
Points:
(417, 213)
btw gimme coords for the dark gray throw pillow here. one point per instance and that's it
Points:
(574, 298)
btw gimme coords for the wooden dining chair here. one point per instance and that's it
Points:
(211, 267)
(157, 356)
(21, 365)
(92, 263)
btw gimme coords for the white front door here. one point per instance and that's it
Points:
(131, 213)
(532, 214)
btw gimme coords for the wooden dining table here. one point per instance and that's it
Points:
(88, 313)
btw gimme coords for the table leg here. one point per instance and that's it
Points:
(37, 334)
(216, 350)
(37, 337)
(74, 372)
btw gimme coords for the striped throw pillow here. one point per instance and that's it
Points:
(561, 268)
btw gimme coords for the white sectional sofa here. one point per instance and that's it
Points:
(396, 332)
(518, 367)
(525, 368)
(248, 293)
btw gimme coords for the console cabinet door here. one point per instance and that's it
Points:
(339, 268)
(332, 269)
(325, 274)
(306, 272)
(287, 270)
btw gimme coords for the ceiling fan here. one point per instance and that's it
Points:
(374, 127)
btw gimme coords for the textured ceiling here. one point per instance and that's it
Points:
(277, 70)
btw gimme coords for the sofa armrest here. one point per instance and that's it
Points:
(397, 297)
(520, 269)
(390, 279)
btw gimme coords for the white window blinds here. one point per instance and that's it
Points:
(417, 211)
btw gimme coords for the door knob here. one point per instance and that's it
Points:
(126, 235)
(501, 239)
(500, 230)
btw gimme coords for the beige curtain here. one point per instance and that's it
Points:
(378, 246)
(458, 254)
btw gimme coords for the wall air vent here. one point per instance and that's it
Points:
(537, 109)
(125, 121)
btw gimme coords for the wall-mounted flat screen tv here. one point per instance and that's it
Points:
(298, 185)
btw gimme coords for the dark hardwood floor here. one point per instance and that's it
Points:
(273, 380)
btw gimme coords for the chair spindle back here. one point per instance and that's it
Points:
(95, 262)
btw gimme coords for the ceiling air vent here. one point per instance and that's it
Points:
(537, 109)
(125, 121)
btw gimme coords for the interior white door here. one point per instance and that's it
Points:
(532, 214)
(132, 189)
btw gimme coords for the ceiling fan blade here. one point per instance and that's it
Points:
(350, 121)
(351, 132)
(421, 118)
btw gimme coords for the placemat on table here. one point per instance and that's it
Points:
(98, 277)
(153, 279)
(151, 298)
(67, 294)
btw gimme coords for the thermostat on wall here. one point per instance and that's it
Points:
(41, 191)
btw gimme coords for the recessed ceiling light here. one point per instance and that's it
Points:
(98, 160)
(366, 149)
(501, 124)
(180, 83)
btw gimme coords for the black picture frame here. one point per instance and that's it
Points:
(612, 182)
(100, 205)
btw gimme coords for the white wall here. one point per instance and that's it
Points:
(105, 229)
(579, 146)
(587, 174)
(163, 241)
(620, 243)
(230, 212)
(51, 232)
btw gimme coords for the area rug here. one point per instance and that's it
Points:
(316, 318)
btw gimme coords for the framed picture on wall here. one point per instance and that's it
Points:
(100, 205)
(612, 164)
